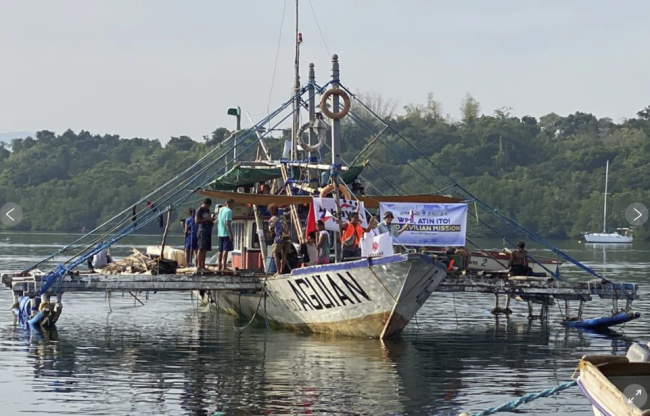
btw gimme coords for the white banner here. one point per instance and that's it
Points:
(325, 209)
(434, 225)
(376, 245)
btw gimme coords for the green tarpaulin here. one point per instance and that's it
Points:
(248, 176)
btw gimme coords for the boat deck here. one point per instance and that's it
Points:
(523, 287)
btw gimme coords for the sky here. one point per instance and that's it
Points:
(162, 68)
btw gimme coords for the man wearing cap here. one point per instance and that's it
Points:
(387, 226)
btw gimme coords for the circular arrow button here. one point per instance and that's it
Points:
(636, 213)
(11, 214)
(636, 395)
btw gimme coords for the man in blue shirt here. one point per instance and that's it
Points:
(191, 237)
(224, 231)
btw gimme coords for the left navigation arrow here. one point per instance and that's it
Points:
(11, 214)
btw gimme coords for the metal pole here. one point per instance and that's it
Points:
(335, 148)
(313, 173)
(296, 89)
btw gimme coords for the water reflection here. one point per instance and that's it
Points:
(203, 367)
(169, 357)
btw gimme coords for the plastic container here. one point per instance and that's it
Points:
(638, 353)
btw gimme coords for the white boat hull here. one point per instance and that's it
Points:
(371, 298)
(608, 238)
(484, 262)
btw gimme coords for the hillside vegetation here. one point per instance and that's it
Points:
(547, 173)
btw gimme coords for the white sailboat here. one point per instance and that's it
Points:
(622, 235)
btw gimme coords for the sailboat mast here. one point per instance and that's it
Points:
(296, 89)
(605, 204)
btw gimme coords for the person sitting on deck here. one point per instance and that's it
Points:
(518, 263)
(205, 222)
(264, 189)
(357, 189)
(323, 243)
(191, 237)
(351, 235)
(281, 238)
(387, 226)
(224, 231)
(99, 260)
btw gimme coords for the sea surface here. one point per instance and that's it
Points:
(172, 357)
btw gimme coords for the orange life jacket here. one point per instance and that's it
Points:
(349, 231)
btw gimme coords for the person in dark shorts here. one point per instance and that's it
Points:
(191, 237)
(204, 222)
(518, 264)
(224, 231)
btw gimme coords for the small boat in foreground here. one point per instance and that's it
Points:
(617, 385)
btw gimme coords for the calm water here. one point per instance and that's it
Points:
(171, 357)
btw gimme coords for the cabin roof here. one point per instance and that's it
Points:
(369, 201)
(250, 173)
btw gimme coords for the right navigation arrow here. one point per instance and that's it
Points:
(638, 212)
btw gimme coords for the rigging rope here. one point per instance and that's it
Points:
(58, 272)
(469, 196)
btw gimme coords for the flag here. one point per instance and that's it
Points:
(411, 219)
(326, 215)
(311, 221)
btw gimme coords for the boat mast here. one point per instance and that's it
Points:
(296, 90)
(605, 205)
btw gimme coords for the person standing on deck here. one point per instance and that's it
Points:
(191, 238)
(387, 226)
(204, 222)
(466, 258)
(224, 230)
(518, 263)
(323, 243)
(351, 235)
(281, 239)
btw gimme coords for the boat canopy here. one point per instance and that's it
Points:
(248, 174)
(369, 201)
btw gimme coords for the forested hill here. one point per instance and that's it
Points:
(548, 173)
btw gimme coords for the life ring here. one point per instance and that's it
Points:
(346, 103)
(319, 130)
(342, 189)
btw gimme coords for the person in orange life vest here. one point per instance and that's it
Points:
(351, 235)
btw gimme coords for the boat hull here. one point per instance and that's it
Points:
(602, 381)
(370, 298)
(495, 261)
(608, 238)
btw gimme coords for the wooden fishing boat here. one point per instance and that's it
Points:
(370, 297)
(617, 385)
